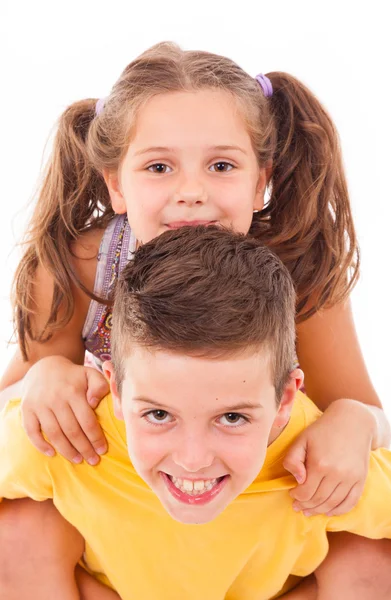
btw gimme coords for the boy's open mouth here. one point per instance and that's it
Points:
(200, 491)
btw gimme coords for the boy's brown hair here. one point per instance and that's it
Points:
(206, 291)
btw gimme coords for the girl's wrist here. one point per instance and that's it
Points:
(358, 415)
(370, 420)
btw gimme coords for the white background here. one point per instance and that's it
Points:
(54, 53)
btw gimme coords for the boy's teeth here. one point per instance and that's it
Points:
(188, 485)
(198, 486)
(194, 487)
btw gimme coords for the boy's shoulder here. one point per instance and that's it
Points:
(23, 469)
(273, 476)
(113, 428)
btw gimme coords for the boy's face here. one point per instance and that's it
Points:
(198, 428)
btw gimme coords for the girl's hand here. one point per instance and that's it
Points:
(330, 459)
(58, 400)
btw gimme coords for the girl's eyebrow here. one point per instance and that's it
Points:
(233, 408)
(222, 147)
(153, 149)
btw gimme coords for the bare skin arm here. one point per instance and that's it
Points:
(58, 393)
(306, 590)
(26, 573)
(91, 589)
(330, 356)
(49, 566)
(67, 341)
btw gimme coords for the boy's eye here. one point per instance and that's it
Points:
(158, 416)
(233, 419)
(222, 167)
(159, 168)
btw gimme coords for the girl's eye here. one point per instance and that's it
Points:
(158, 416)
(222, 167)
(233, 419)
(159, 168)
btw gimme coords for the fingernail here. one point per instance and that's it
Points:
(299, 478)
(296, 507)
(307, 513)
(50, 452)
(101, 450)
(93, 401)
(93, 460)
(77, 459)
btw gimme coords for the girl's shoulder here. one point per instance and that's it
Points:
(98, 249)
(85, 252)
(116, 248)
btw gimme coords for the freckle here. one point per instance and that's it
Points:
(244, 381)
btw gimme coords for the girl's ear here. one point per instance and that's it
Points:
(108, 371)
(264, 176)
(113, 185)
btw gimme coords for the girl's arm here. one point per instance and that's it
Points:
(330, 356)
(67, 341)
(59, 394)
(330, 458)
(15, 371)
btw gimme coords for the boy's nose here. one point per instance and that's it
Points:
(193, 455)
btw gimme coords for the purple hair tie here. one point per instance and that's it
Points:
(265, 84)
(99, 106)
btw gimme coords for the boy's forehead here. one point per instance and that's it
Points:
(155, 370)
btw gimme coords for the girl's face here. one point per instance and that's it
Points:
(190, 162)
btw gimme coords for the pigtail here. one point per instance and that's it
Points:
(308, 220)
(73, 199)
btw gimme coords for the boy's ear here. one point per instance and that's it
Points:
(113, 185)
(294, 383)
(108, 371)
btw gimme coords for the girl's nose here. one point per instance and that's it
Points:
(190, 192)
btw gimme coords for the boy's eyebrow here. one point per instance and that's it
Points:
(234, 408)
(167, 149)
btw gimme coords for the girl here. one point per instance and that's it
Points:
(187, 138)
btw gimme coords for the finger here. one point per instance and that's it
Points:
(304, 492)
(32, 427)
(294, 462)
(326, 488)
(349, 502)
(97, 387)
(92, 430)
(72, 429)
(53, 431)
(335, 499)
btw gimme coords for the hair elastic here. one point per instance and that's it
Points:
(265, 84)
(99, 106)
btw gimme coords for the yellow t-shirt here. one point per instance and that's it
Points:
(248, 552)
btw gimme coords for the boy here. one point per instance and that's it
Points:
(205, 402)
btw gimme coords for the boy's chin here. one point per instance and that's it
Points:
(193, 515)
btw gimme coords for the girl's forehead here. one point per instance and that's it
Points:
(207, 111)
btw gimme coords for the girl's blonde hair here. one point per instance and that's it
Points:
(307, 222)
